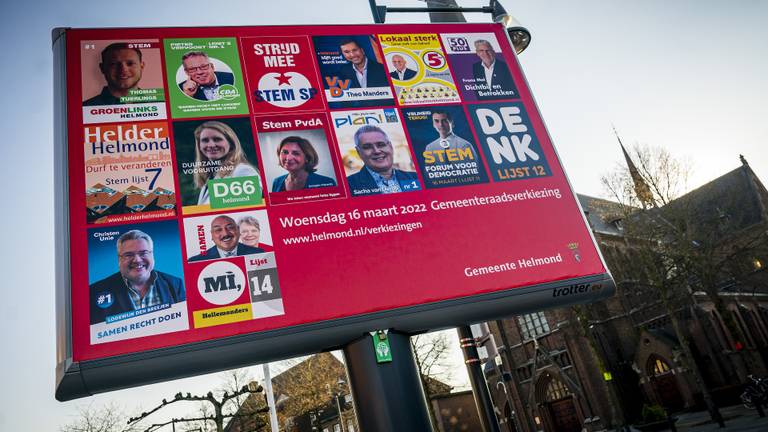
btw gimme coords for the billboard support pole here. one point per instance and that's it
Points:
(477, 380)
(387, 392)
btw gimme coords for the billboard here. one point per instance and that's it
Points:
(230, 196)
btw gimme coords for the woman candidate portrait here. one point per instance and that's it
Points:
(297, 156)
(250, 231)
(216, 142)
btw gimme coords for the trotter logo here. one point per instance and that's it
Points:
(575, 289)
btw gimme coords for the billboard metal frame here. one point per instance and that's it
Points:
(86, 377)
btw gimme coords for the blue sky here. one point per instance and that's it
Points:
(687, 75)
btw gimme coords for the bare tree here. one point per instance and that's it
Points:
(216, 415)
(431, 351)
(230, 382)
(665, 178)
(658, 227)
(108, 418)
(308, 386)
(583, 315)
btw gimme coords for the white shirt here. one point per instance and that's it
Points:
(362, 77)
(227, 254)
(211, 92)
(488, 73)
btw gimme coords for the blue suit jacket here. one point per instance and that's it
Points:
(221, 77)
(362, 183)
(213, 253)
(408, 74)
(501, 77)
(314, 180)
(169, 288)
(376, 77)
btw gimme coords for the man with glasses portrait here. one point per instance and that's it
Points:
(203, 80)
(378, 174)
(137, 286)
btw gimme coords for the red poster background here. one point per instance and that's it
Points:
(281, 63)
(327, 279)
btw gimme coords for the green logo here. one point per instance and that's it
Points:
(228, 92)
(235, 192)
(381, 347)
(143, 95)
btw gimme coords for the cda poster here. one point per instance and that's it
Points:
(204, 77)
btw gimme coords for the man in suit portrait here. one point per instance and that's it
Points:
(493, 72)
(137, 285)
(226, 236)
(401, 72)
(378, 175)
(447, 139)
(203, 81)
(361, 71)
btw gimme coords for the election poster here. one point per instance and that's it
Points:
(299, 158)
(128, 172)
(352, 71)
(204, 77)
(121, 80)
(377, 157)
(233, 275)
(509, 142)
(374, 151)
(479, 66)
(217, 164)
(418, 68)
(444, 146)
(281, 74)
(135, 278)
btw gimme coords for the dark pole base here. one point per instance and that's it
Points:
(388, 396)
(480, 391)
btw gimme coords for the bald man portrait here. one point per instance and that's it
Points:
(401, 72)
(225, 234)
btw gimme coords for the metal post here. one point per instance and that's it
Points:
(388, 396)
(270, 398)
(525, 410)
(338, 407)
(477, 380)
(436, 17)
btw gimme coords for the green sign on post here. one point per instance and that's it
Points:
(381, 346)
